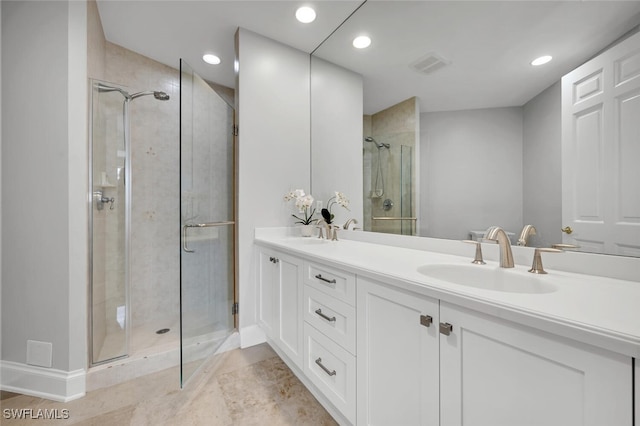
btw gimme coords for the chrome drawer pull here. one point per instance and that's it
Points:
(326, 370)
(446, 328)
(319, 312)
(321, 278)
(426, 320)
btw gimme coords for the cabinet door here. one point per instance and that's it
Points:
(637, 394)
(266, 270)
(502, 374)
(289, 292)
(397, 357)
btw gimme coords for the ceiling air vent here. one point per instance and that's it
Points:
(429, 63)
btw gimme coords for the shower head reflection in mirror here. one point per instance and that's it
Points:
(378, 184)
(377, 144)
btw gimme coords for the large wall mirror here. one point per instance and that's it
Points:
(459, 130)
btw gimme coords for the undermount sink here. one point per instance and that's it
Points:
(489, 278)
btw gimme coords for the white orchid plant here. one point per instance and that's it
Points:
(340, 199)
(304, 204)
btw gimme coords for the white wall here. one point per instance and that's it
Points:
(542, 182)
(44, 187)
(471, 171)
(273, 102)
(336, 137)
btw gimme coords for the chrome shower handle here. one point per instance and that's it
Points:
(186, 227)
(105, 200)
(184, 238)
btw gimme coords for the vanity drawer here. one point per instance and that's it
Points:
(332, 369)
(333, 317)
(331, 281)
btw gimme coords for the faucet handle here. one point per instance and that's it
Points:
(478, 258)
(349, 222)
(536, 267)
(564, 246)
(334, 233)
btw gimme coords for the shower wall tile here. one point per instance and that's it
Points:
(96, 43)
(397, 126)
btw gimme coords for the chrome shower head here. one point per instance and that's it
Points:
(378, 144)
(161, 96)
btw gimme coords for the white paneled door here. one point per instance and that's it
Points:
(601, 152)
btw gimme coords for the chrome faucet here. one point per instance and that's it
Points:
(527, 231)
(497, 234)
(349, 222)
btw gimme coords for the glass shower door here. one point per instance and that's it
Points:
(207, 221)
(109, 329)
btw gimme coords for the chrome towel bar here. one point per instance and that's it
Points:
(186, 227)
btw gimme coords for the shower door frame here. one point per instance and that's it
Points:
(127, 226)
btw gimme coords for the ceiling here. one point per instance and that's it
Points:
(489, 43)
(166, 30)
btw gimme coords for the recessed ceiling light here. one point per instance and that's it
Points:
(361, 42)
(541, 60)
(305, 14)
(211, 59)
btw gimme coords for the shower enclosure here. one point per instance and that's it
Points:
(389, 169)
(155, 289)
(388, 186)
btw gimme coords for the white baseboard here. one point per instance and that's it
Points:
(48, 383)
(232, 342)
(251, 336)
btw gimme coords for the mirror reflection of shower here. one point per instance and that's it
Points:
(377, 190)
(390, 146)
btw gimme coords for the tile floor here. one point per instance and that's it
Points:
(241, 387)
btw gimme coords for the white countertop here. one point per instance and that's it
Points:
(596, 310)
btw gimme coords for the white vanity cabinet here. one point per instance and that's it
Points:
(280, 301)
(381, 350)
(398, 365)
(485, 371)
(494, 372)
(330, 335)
